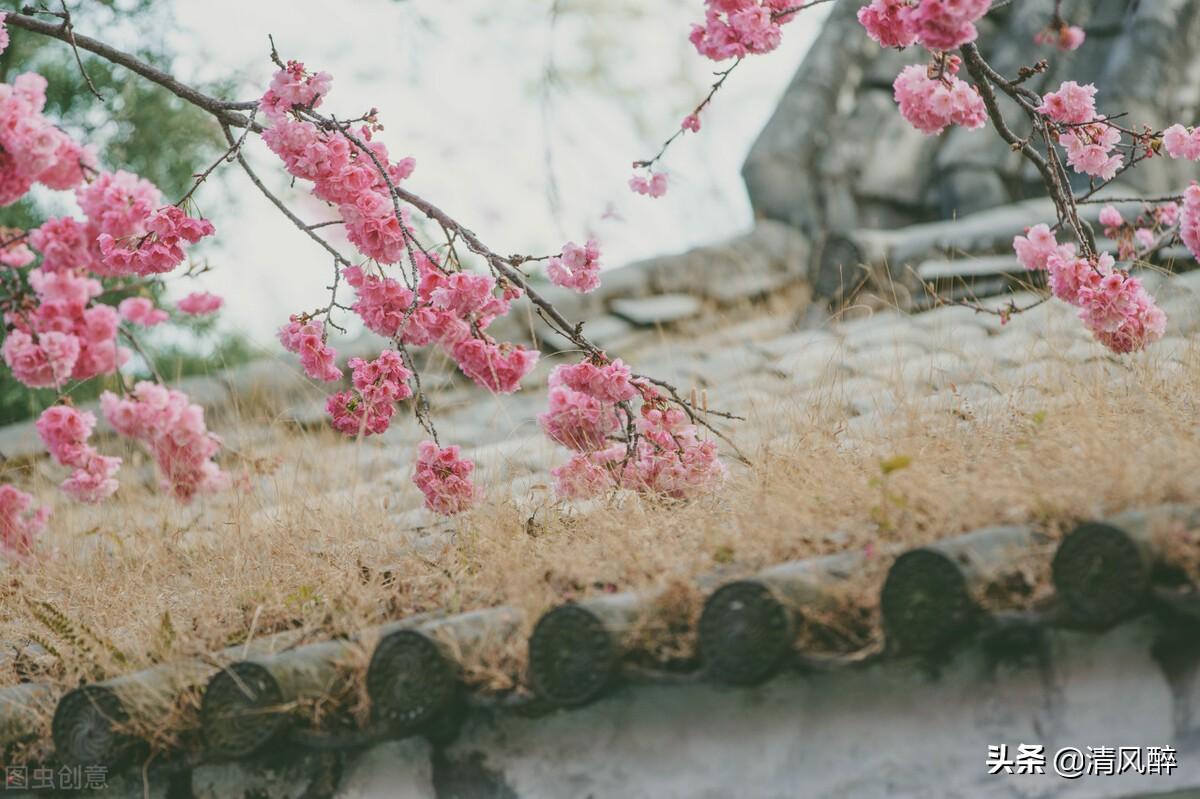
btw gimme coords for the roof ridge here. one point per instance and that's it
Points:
(1103, 571)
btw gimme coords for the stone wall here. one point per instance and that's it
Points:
(837, 156)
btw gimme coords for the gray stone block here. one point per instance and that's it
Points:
(663, 309)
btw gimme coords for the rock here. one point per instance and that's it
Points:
(795, 342)
(20, 440)
(608, 331)
(658, 310)
(814, 362)
(883, 361)
(965, 268)
(886, 335)
(937, 370)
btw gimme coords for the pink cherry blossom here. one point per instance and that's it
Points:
(32, 148)
(378, 386)
(1065, 37)
(382, 301)
(672, 461)
(1089, 150)
(1110, 217)
(3, 32)
(691, 122)
(65, 243)
(1167, 214)
(1069, 273)
(1181, 142)
(653, 186)
(307, 339)
(42, 363)
(578, 267)
(173, 428)
(444, 478)
(65, 431)
(141, 311)
(158, 250)
(737, 28)
(497, 367)
(93, 479)
(1189, 224)
(200, 303)
(16, 254)
(1145, 238)
(1037, 245)
(589, 474)
(1070, 104)
(1119, 312)
(118, 203)
(294, 86)
(578, 421)
(19, 526)
(885, 24)
(931, 106)
(608, 382)
(944, 24)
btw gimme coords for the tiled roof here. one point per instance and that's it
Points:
(949, 364)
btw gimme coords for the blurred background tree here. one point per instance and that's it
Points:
(138, 127)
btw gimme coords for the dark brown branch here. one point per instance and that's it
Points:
(70, 29)
(281, 205)
(220, 109)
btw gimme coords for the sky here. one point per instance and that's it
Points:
(462, 87)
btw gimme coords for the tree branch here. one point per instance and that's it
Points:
(221, 109)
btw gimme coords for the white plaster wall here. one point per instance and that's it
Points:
(890, 730)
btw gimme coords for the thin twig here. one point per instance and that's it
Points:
(70, 29)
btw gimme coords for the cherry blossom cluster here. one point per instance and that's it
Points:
(62, 335)
(732, 29)
(1089, 141)
(1118, 310)
(667, 457)
(32, 149)
(342, 173)
(450, 309)
(444, 477)
(156, 251)
(65, 432)
(738, 28)
(173, 428)
(1189, 223)
(142, 311)
(932, 104)
(200, 303)
(19, 525)
(1061, 35)
(435, 306)
(1152, 228)
(578, 267)
(378, 385)
(1181, 142)
(931, 98)
(652, 184)
(934, 24)
(306, 338)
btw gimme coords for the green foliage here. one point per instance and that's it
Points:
(139, 127)
(82, 639)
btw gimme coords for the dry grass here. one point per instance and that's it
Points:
(314, 548)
